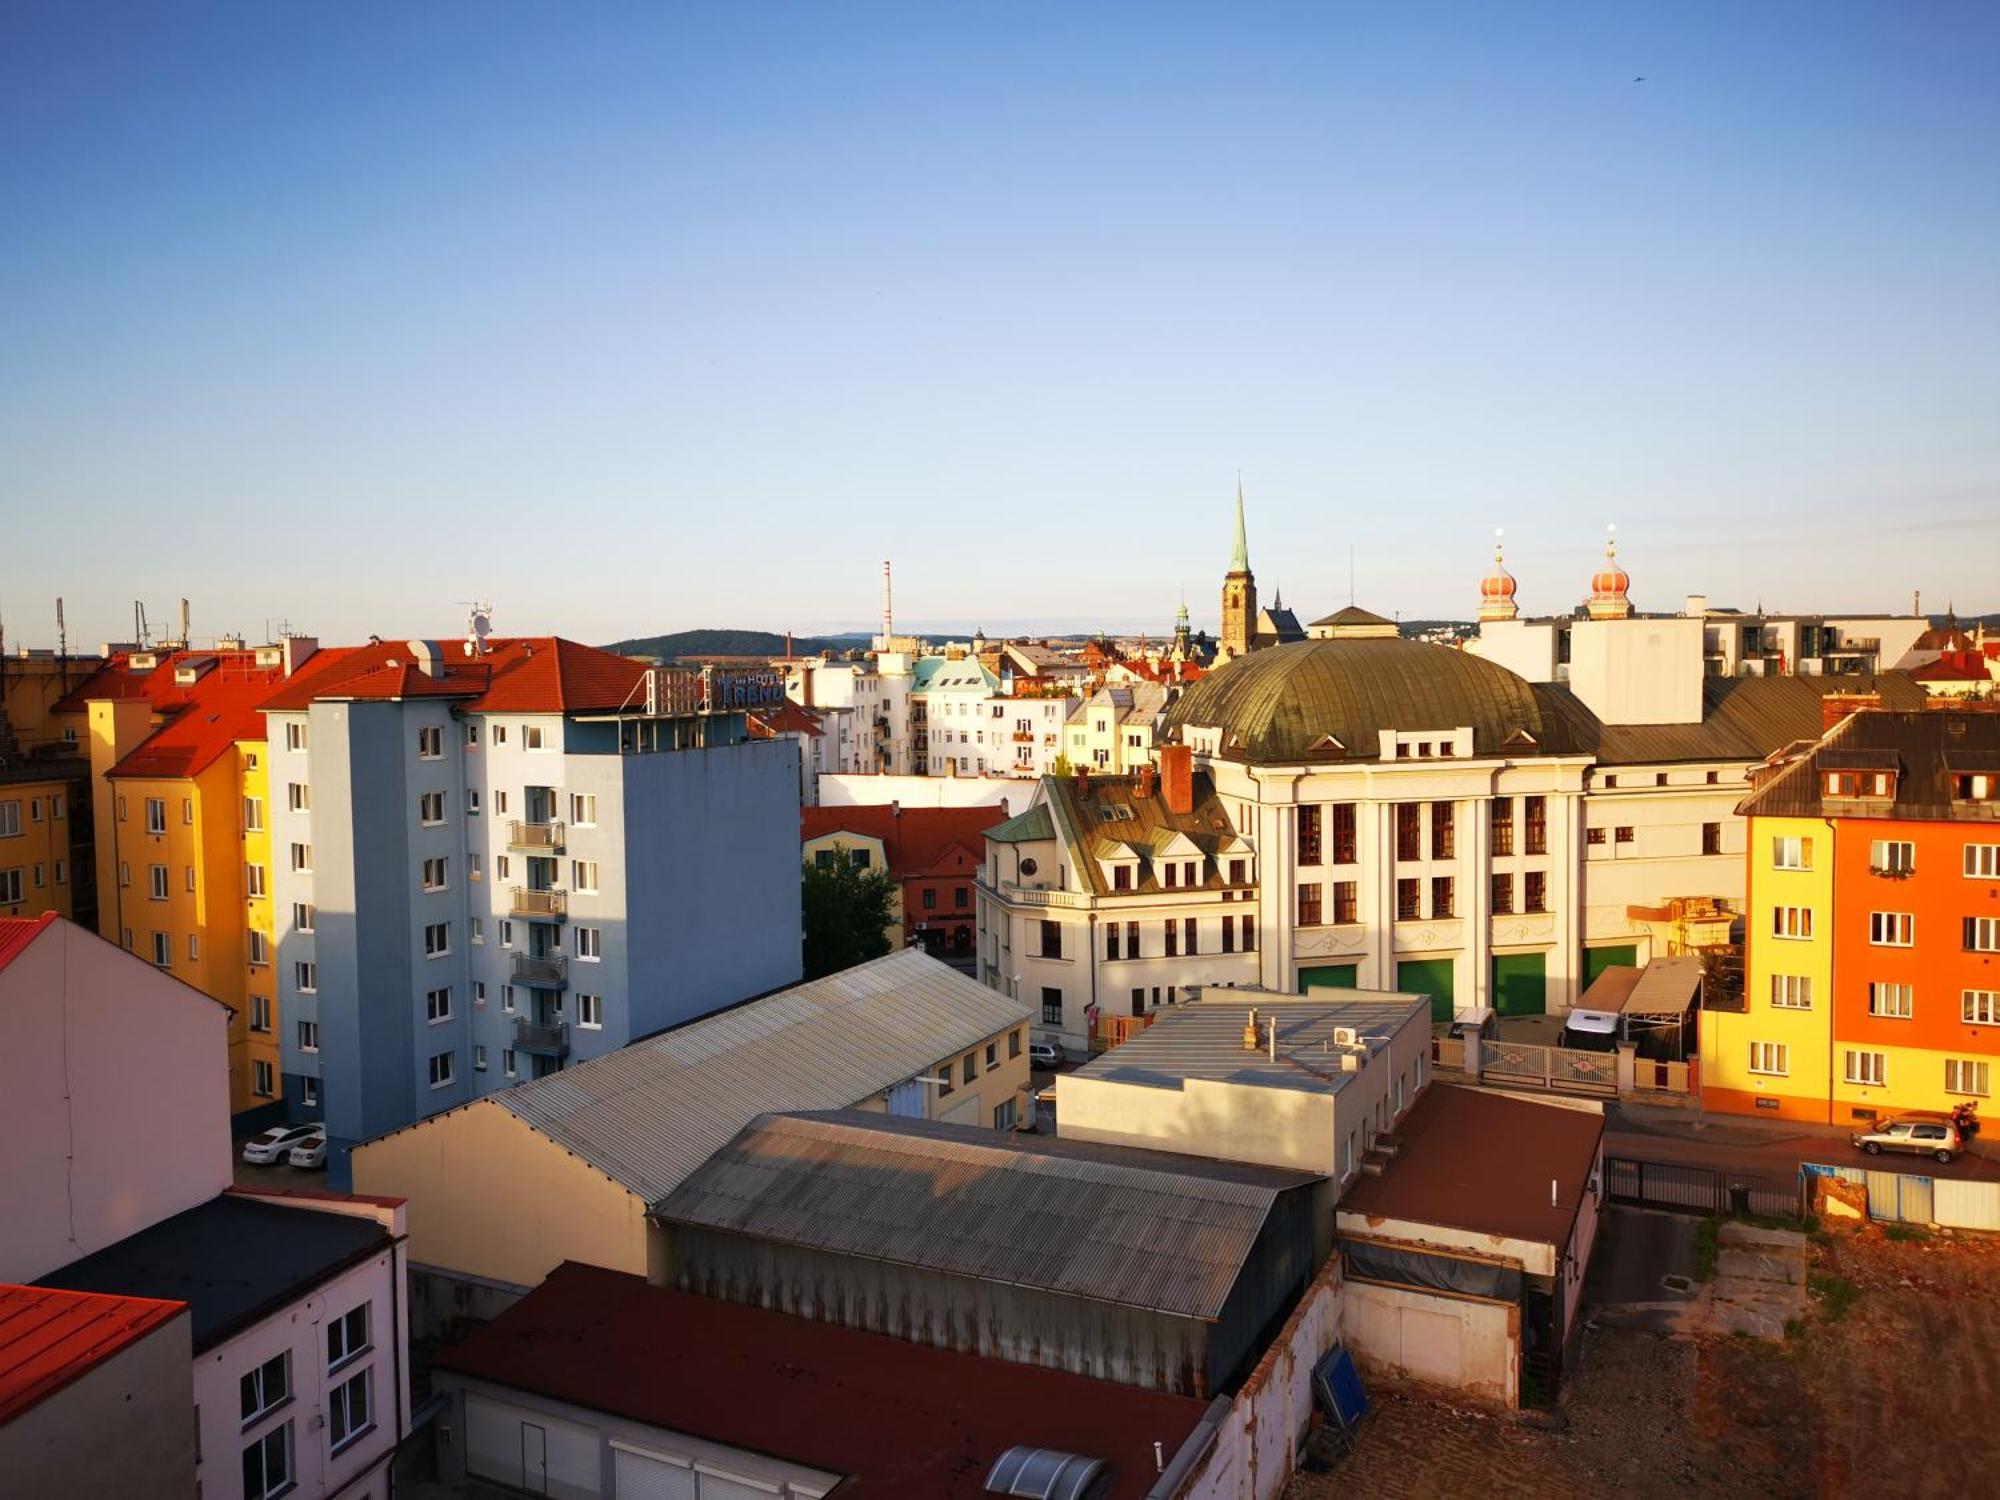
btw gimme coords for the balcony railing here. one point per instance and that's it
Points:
(526, 835)
(549, 903)
(550, 1039)
(550, 972)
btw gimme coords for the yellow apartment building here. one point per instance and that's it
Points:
(40, 833)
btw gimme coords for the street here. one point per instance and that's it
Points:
(1772, 1149)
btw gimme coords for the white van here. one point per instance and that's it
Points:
(1591, 1031)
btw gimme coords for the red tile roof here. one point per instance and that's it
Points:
(119, 678)
(914, 839)
(540, 675)
(17, 932)
(49, 1338)
(900, 1419)
(787, 718)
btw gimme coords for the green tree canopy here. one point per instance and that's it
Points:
(846, 916)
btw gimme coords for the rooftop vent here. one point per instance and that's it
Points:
(1047, 1475)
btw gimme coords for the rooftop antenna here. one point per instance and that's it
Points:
(478, 625)
(62, 640)
(186, 639)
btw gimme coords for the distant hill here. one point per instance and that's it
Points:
(702, 644)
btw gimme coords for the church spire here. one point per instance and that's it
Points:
(1239, 560)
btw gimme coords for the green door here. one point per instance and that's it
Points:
(1597, 960)
(1328, 977)
(1428, 976)
(1521, 984)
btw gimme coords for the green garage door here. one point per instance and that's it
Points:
(1597, 960)
(1428, 976)
(1328, 977)
(1521, 984)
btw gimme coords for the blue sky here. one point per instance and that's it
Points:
(633, 318)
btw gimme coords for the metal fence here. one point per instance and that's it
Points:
(1683, 1187)
(1912, 1198)
(1549, 1067)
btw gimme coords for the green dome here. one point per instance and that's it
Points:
(1283, 703)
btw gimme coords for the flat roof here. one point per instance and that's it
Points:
(49, 1338)
(232, 1260)
(897, 1418)
(1609, 991)
(1204, 1039)
(1666, 986)
(1480, 1161)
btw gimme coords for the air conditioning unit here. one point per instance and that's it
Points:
(1345, 1036)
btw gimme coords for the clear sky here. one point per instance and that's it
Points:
(635, 318)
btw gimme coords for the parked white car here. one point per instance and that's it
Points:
(310, 1152)
(267, 1146)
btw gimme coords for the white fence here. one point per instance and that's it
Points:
(1911, 1198)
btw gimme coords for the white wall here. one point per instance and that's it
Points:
(1527, 648)
(1638, 671)
(926, 791)
(1454, 1342)
(114, 1099)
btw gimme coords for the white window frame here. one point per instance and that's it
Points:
(1892, 856)
(1771, 1059)
(156, 815)
(442, 1077)
(1863, 1068)
(344, 1424)
(1892, 929)
(437, 1005)
(590, 1012)
(1980, 1007)
(1961, 1073)
(305, 976)
(589, 944)
(308, 1036)
(1891, 1001)
(343, 1346)
(1791, 852)
(297, 736)
(1798, 917)
(1982, 862)
(430, 742)
(281, 1436)
(1791, 992)
(266, 1403)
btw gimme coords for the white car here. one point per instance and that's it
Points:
(267, 1146)
(310, 1152)
(1044, 1054)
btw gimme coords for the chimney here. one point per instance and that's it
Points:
(1177, 779)
(297, 649)
(1250, 1032)
(1144, 786)
(1835, 707)
(1697, 606)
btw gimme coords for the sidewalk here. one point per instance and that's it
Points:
(1722, 1140)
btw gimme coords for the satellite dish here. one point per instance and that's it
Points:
(477, 629)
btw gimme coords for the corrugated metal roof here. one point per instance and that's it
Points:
(1747, 718)
(1666, 987)
(1143, 1228)
(649, 1114)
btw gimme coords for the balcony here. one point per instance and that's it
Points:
(543, 836)
(549, 903)
(550, 972)
(549, 1039)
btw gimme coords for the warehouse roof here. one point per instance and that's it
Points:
(1204, 1039)
(893, 1417)
(1147, 1229)
(49, 1338)
(650, 1113)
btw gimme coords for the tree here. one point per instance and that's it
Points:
(847, 915)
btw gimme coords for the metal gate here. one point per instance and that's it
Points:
(1683, 1187)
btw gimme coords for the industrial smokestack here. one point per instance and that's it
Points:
(888, 611)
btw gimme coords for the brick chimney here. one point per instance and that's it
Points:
(1177, 778)
(1143, 787)
(1837, 706)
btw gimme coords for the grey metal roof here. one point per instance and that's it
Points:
(1746, 718)
(1029, 827)
(1145, 1229)
(649, 1114)
(1204, 1039)
(1927, 748)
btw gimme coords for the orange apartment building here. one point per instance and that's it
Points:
(1873, 970)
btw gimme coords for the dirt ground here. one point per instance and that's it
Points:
(1886, 1390)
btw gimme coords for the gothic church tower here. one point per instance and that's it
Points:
(1239, 595)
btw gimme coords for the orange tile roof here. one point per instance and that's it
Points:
(49, 1338)
(544, 674)
(914, 839)
(786, 718)
(223, 706)
(17, 932)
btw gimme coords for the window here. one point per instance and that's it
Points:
(971, 1067)
(1711, 838)
(306, 976)
(1892, 929)
(430, 809)
(472, 733)
(1443, 898)
(346, 1336)
(437, 939)
(302, 916)
(506, 933)
(1791, 991)
(1867, 1069)
(583, 809)
(266, 1388)
(253, 814)
(1965, 1075)
(1503, 895)
(1121, 877)
(437, 1005)
(309, 1092)
(1112, 932)
(590, 1012)
(253, 882)
(296, 737)
(1500, 819)
(302, 858)
(263, 1081)
(1444, 839)
(1228, 933)
(156, 814)
(1346, 897)
(1409, 900)
(1538, 824)
(583, 877)
(503, 867)
(1409, 830)
(430, 742)
(1309, 834)
(589, 944)
(1535, 891)
(499, 734)
(124, 873)
(531, 737)
(1981, 934)
(472, 800)
(434, 872)
(443, 1069)
(507, 1061)
(1791, 854)
(1770, 1057)
(944, 1082)
(1173, 876)
(1982, 861)
(1051, 939)
(1246, 932)
(1892, 857)
(1171, 935)
(190, 878)
(1343, 833)
(267, 1464)
(1132, 940)
(260, 1012)
(163, 944)
(157, 875)
(1792, 921)
(1191, 935)
(1895, 1001)
(347, 1412)
(308, 1036)
(1593, 835)
(1981, 1007)
(1622, 834)
(1052, 1006)
(62, 872)
(260, 949)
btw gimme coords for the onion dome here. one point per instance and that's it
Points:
(1609, 585)
(1496, 589)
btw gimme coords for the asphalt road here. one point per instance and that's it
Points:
(1773, 1150)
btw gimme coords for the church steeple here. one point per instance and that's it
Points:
(1239, 560)
(1239, 593)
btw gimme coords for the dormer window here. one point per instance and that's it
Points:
(1975, 786)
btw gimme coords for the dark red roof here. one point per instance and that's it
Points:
(542, 675)
(49, 1338)
(1472, 1160)
(914, 839)
(17, 932)
(899, 1419)
(787, 718)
